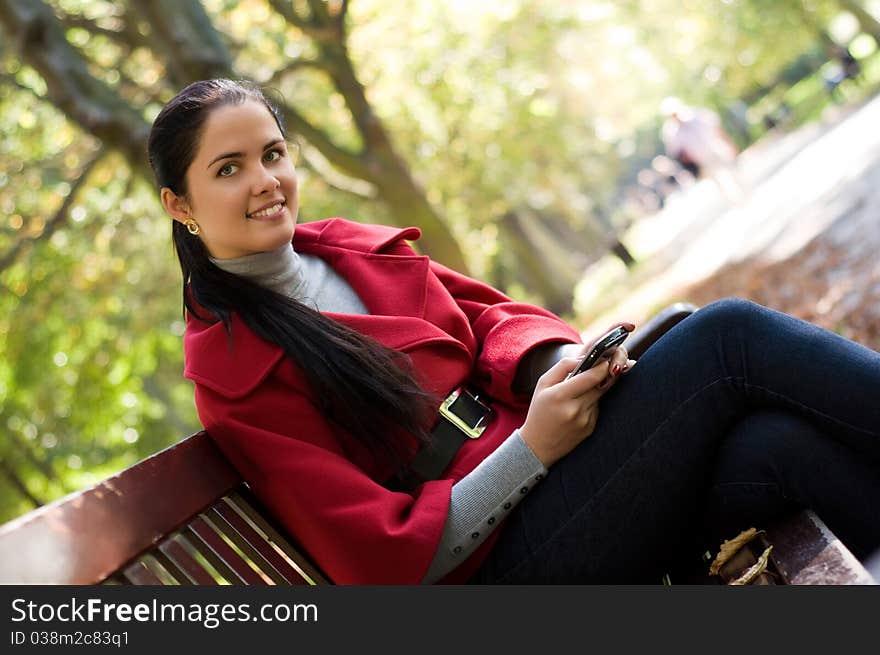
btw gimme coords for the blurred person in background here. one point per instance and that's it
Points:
(695, 138)
(843, 66)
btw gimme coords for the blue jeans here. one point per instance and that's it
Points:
(737, 415)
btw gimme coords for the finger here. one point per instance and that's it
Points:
(629, 365)
(558, 372)
(590, 398)
(618, 361)
(583, 382)
(607, 383)
(612, 378)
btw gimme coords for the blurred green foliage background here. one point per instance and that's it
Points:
(510, 131)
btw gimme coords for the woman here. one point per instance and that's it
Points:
(321, 352)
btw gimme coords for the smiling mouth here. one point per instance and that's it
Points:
(268, 211)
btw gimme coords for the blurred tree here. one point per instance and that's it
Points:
(483, 107)
(79, 52)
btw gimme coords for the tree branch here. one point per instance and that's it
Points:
(334, 60)
(85, 99)
(287, 11)
(295, 65)
(128, 36)
(352, 186)
(321, 31)
(57, 220)
(194, 49)
(10, 79)
(129, 39)
(18, 484)
(320, 14)
(341, 14)
(138, 93)
(351, 163)
(43, 466)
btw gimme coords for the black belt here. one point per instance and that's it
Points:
(463, 416)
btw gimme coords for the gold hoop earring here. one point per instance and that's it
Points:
(191, 226)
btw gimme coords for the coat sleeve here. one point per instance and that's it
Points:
(505, 330)
(354, 529)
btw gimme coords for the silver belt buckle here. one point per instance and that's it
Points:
(473, 432)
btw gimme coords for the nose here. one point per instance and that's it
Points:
(264, 181)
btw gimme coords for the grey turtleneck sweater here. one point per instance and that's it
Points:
(479, 500)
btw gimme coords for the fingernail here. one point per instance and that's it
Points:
(615, 370)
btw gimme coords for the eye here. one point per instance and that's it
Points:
(273, 155)
(226, 170)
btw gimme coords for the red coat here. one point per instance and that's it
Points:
(255, 405)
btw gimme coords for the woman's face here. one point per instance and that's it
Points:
(242, 183)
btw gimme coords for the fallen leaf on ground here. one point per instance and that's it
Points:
(729, 548)
(755, 570)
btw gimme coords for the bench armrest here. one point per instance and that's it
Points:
(645, 335)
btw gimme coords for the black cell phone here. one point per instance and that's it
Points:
(602, 349)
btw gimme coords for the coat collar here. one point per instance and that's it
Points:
(372, 259)
(364, 255)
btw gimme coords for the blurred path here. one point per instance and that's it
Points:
(819, 183)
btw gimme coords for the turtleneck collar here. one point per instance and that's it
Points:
(280, 270)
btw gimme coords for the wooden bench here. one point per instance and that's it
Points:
(184, 516)
(181, 516)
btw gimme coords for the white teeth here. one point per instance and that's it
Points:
(268, 211)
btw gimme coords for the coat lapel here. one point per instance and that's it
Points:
(231, 366)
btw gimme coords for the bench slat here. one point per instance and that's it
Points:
(116, 579)
(226, 574)
(180, 577)
(172, 549)
(251, 555)
(272, 563)
(243, 500)
(221, 555)
(139, 574)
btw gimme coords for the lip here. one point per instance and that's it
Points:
(268, 217)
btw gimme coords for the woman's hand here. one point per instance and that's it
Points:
(564, 412)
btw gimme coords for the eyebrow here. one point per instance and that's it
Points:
(227, 155)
